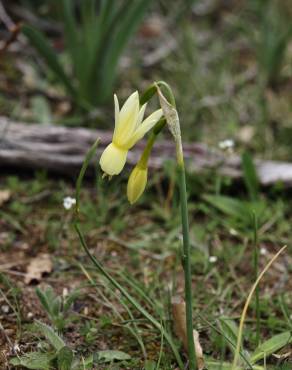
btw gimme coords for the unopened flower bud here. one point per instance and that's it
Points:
(136, 183)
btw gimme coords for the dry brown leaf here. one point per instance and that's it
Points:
(38, 266)
(4, 196)
(199, 351)
(179, 318)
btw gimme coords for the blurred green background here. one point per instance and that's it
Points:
(229, 63)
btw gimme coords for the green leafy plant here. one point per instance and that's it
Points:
(271, 346)
(90, 332)
(96, 34)
(239, 211)
(57, 356)
(57, 307)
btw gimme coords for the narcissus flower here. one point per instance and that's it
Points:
(136, 183)
(129, 128)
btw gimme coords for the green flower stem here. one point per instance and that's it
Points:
(167, 103)
(143, 161)
(152, 90)
(90, 154)
(186, 261)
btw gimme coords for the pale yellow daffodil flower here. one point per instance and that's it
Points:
(129, 128)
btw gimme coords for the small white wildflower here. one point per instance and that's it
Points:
(16, 348)
(68, 202)
(213, 259)
(5, 308)
(263, 251)
(227, 144)
(233, 232)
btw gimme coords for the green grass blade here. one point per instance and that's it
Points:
(137, 288)
(134, 328)
(70, 300)
(126, 29)
(285, 309)
(43, 299)
(96, 32)
(38, 40)
(230, 206)
(250, 176)
(91, 152)
(227, 339)
(104, 27)
(129, 298)
(108, 9)
(88, 20)
(122, 34)
(217, 365)
(71, 34)
(230, 330)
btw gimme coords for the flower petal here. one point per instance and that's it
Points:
(117, 109)
(113, 159)
(144, 127)
(127, 119)
(141, 115)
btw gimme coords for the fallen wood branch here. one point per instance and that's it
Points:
(62, 150)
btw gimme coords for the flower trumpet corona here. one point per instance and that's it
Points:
(136, 183)
(129, 128)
